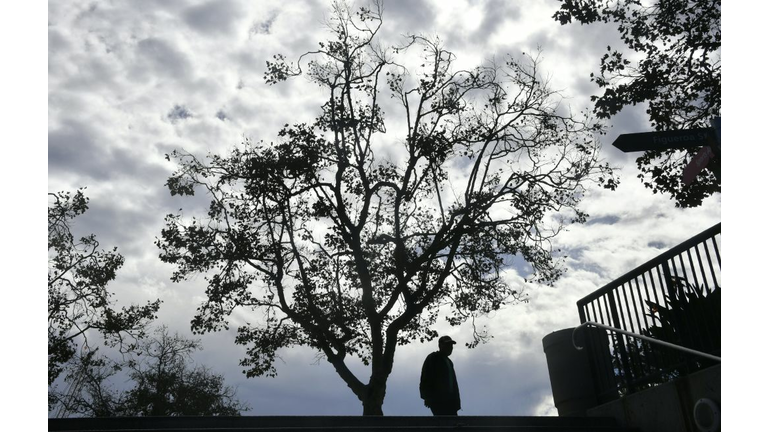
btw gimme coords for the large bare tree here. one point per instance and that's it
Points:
(334, 246)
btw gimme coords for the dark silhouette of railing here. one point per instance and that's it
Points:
(674, 297)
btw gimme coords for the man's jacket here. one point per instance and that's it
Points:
(438, 386)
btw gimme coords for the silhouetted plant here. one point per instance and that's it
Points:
(677, 74)
(163, 383)
(349, 244)
(689, 317)
(88, 390)
(78, 299)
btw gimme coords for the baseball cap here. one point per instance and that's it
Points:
(446, 339)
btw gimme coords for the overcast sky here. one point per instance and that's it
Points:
(129, 81)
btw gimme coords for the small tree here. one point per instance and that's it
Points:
(87, 388)
(164, 384)
(78, 300)
(167, 386)
(677, 75)
(353, 253)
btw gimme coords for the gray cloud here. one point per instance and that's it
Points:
(161, 57)
(77, 148)
(179, 112)
(213, 17)
(496, 15)
(72, 149)
(413, 17)
(57, 41)
(607, 220)
(264, 26)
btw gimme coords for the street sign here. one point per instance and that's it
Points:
(674, 139)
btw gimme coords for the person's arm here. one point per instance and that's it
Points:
(426, 385)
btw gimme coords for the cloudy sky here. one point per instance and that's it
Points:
(129, 81)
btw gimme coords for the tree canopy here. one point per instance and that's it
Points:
(78, 299)
(676, 44)
(343, 238)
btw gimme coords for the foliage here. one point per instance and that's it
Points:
(163, 383)
(78, 300)
(340, 238)
(690, 318)
(677, 75)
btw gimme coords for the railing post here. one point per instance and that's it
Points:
(673, 292)
(625, 368)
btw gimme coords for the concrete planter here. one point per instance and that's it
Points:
(573, 381)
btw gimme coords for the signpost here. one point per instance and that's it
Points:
(707, 138)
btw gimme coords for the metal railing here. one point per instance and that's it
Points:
(675, 298)
(639, 336)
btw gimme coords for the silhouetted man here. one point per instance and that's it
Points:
(438, 386)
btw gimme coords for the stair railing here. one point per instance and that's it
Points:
(643, 337)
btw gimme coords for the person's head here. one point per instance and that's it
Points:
(446, 344)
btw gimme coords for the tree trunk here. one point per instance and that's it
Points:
(374, 397)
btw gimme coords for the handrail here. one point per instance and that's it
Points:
(639, 336)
